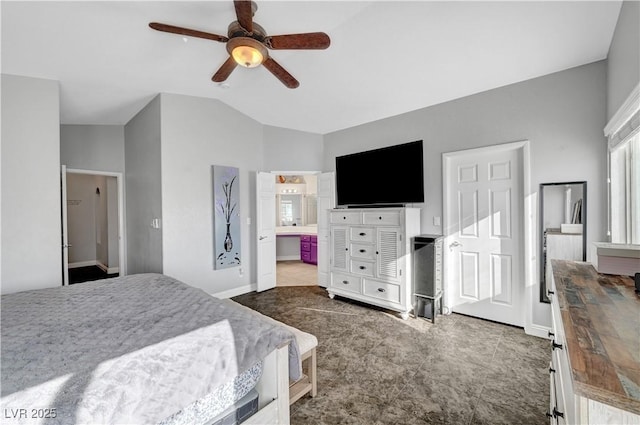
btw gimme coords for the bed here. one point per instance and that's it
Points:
(138, 349)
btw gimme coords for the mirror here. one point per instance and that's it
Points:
(290, 210)
(296, 200)
(563, 227)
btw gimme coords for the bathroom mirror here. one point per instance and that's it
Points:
(563, 227)
(290, 212)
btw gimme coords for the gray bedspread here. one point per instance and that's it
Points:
(129, 350)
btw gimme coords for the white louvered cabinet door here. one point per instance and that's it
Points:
(389, 253)
(339, 248)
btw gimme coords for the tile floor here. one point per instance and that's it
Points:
(374, 368)
(296, 273)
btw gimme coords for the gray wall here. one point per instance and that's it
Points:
(31, 229)
(623, 61)
(292, 150)
(561, 114)
(92, 147)
(144, 191)
(196, 134)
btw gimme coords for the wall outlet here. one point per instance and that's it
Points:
(436, 221)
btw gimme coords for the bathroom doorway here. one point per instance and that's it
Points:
(296, 229)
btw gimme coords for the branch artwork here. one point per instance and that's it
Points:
(226, 217)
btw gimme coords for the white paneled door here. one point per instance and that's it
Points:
(266, 230)
(483, 211)
(326, 201)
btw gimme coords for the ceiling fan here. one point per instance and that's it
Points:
(248, 43)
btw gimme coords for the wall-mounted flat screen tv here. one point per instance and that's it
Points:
(388, 176)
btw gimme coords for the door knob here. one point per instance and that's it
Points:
(262, 237)
(454, 244)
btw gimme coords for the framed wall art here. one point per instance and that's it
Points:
(226, 217)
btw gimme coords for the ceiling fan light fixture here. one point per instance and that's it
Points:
(247, 52)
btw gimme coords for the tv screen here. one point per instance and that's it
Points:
(393, 175)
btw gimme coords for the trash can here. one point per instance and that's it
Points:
(427, 275)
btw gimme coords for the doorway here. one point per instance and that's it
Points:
(296, 229)
(92, 226)
(484, 213)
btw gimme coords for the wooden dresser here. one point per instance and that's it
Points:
(595, 367)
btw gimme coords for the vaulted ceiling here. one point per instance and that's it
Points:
(385, 58)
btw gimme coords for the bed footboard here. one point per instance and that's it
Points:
(273, 388)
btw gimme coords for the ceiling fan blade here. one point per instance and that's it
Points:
(281, 73)
(186, 31)
(309, 40)
(244, 12)
(225, 70)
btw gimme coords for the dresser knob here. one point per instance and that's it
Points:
(362, 267)
(363, 234)
(346, 282)
(363, 250)
(381, 290)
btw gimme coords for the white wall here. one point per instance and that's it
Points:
(31, 228)
(92, 147)
(561, 114)
(623, 61)
(143, 190)
(291, 150)
(196, 134)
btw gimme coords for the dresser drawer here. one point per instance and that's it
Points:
(365, 251)
(305, 238)
(382, 290)
(346, 282)
(305, 256)
(361, 267)
(387, 218)
(362, 234)
(305, 246)
(346, 217)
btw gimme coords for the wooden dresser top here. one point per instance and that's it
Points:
(601, 319)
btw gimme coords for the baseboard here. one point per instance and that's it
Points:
(107, 269)
(537, 330)
(83, 264)
(229, 293)
(288, 258)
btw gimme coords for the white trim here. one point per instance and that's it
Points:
(229, 293)
(122, 247)
(288, 258)
(78, 264)
(539, 331)
(107, 270)
(630, 106)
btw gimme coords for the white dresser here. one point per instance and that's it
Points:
(371, 256)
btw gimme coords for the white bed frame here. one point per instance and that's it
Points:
(273, 390)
